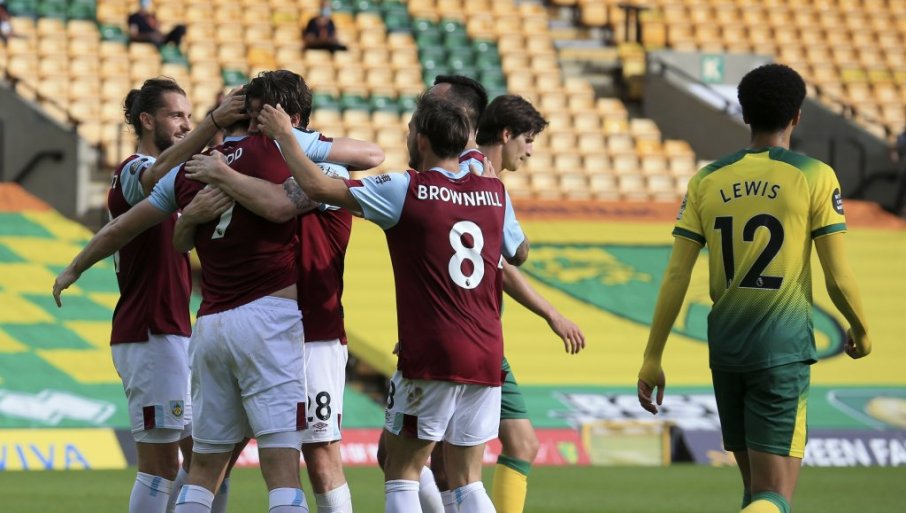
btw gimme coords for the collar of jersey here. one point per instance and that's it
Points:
(232, 138)
(455, 176)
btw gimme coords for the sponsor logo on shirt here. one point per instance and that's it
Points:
(837, 201)
(682, 207)
(381, 179)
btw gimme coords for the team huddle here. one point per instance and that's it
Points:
(269, 213)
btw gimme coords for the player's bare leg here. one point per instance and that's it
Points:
(520, 448)
(185, 447)
(745, 470)
(280, 468)
(436, 495)
(773, 480)
(463, 465)
(325, 471)
(405, 458)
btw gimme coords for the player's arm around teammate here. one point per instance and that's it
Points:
(209, 204)
(231, 110)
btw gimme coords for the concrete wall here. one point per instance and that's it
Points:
(25, 131)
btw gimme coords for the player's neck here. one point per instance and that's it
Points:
(771, 139)
(494, 153)
(146, 146)
(433, 161)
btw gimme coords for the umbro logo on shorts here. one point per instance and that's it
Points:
(319, 427)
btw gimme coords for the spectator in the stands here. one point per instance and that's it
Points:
(144, 28)
(321, 32)
(6, 28)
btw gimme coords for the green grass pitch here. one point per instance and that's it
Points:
(675, 489)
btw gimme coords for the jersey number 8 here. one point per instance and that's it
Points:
(464, 253)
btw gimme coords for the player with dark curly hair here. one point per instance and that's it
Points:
(758, 210)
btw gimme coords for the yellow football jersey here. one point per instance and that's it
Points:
(758, 211)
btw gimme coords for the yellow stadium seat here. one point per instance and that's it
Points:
(596, 163)
(545, 186)
(662, 188)
(604, 187)
(632, 187)
(653, 164)
(575, 186)
(53, 65)
(567, 161)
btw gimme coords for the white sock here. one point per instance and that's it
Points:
(338, 500)
(449, 501)
(149, 494)
(194, 499)
(473, 498)
(177, 486)
(428, 494)
(287, 500)
(401, 496)
(220, 499)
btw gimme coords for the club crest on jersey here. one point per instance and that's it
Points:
(177, 408)
(837, 201)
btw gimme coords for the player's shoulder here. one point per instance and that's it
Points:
(804, 163)
(136, 162)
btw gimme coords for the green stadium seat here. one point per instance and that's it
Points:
(484, 46)
(407, 101)
(324, 101)
(428, 38)
(383, 103)
(458, 62)
(366, 6)
(22, 7)
(434, 52)
(233, 77)
(397, 22)
(170, 54)
(420, 25)
(492, 78)
(354, 102)
(52, 9)
(456, 40)
(452, 27)
(487, 60)
(342, 6)
(113, 33)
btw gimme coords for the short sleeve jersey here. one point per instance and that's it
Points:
(243, 256)
(758, 211)
(446, 233)
(154, 279)
(323, 236)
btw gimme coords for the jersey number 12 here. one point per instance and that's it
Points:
(753, 279)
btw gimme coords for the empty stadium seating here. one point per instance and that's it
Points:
(395, 50)
(849, 51)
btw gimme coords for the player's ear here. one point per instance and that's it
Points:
(147, 121)
(505, 135)
(797, 117)
(296, 119)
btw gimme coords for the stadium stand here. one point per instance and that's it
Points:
(849, 51)
(395, 49)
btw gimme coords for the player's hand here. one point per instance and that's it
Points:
(489, 171)
(645, 390)
(231, 109)
(573, 338)
(206, 206)
(206, 168)
(857, 346)
(274, 121)
(63, 281)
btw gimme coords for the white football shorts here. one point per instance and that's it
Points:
(248, 374)
(325, 377)
(155, 376)
(460, 414)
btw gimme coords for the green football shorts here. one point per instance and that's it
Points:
(764, 410)
(512, 404)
